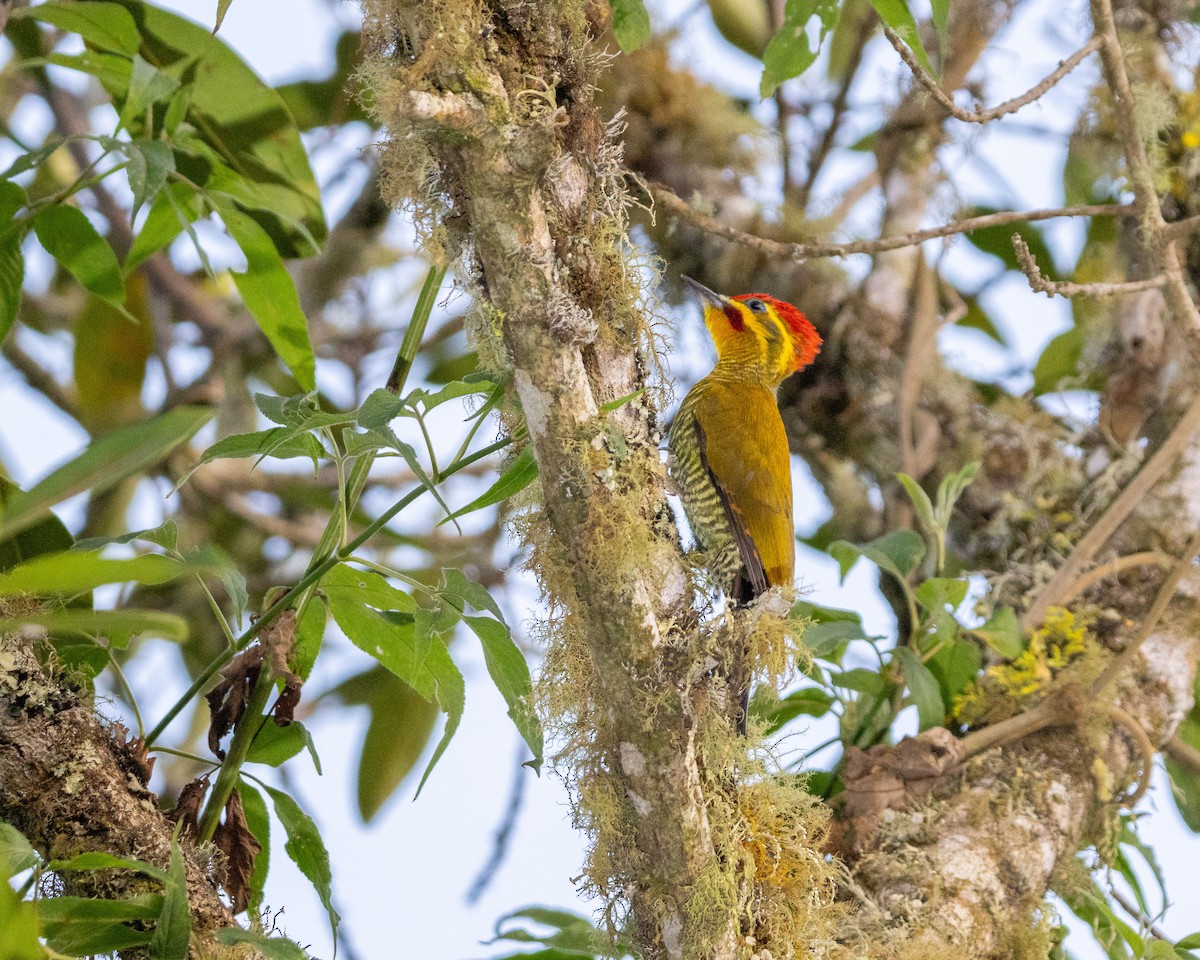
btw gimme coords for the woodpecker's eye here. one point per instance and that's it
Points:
(757, 305)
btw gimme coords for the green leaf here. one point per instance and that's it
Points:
(307, 850)
(270, 293)
(895, 14)
(938, 593)
(274, 744)
(924, 688)
(808, 702)
(955, 665)
(941, 18)
(222, 8)
(18, 926)
(107, 25)
(519, 474)
(118, 626)
(279, 443)
(147, 86)
(174, 207)
(99, 860)
(258, 821)
(509, 671)
(419, 659)
(69, 237)
(105, 462)
(12, 261)
(1059, 362)
(150, 163)
(174, 928)
(16, 853)
(244, 123)
(829, 631)
(165, 535)
(456, 585)
(272, 948)
(976, 318)
(922, 503)
(1190, 942)
(897, 553)
(310, 632)
(1185, 782)
(1002, 633)
(950, 489)
(49, 535)
(75, 571)
(81, 925)
(319, 103)
(630, 23)
(790, 53)
(860, 680)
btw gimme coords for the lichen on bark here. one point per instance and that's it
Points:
(497, 140)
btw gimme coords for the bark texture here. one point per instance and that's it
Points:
(71, 785)
(497, 135)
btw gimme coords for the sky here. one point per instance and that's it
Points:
(400, 883)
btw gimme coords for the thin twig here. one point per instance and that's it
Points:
(1128, 722)
(1134, 911)
(807, 251)
(38, 377)
(1183, 753)
(1141, 175)
(1000, 110)
(1116, 513)
(1040, 283)
(1114, 567)
(821, 150)
(1162, 600)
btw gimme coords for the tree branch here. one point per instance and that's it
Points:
(990, 113)
(806, 251)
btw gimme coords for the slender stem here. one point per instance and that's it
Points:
(207, 761)
(433, 466)
(230, 640)
(231, 766)
(416, 330)
(120, 675)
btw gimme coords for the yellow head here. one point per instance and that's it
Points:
(758, 331)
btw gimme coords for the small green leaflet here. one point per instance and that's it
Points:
(307, 850)
(897, 552)
(1002, 633)
(516, 477)
(107, 25)
(270, 293)
(402, 637)
(173, 930)
(69, 237)
(272, 948)
(895, 14)
(926, 693)
(789, 53)
(630, 23)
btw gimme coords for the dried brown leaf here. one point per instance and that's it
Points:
(187, 807)
(227, 700)
(234, 839)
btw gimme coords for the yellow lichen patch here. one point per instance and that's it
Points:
(1058, 644)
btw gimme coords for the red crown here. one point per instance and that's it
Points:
(804, 335)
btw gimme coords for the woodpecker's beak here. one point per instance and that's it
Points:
(710, 298)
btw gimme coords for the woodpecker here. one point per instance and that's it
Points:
(728, 449)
